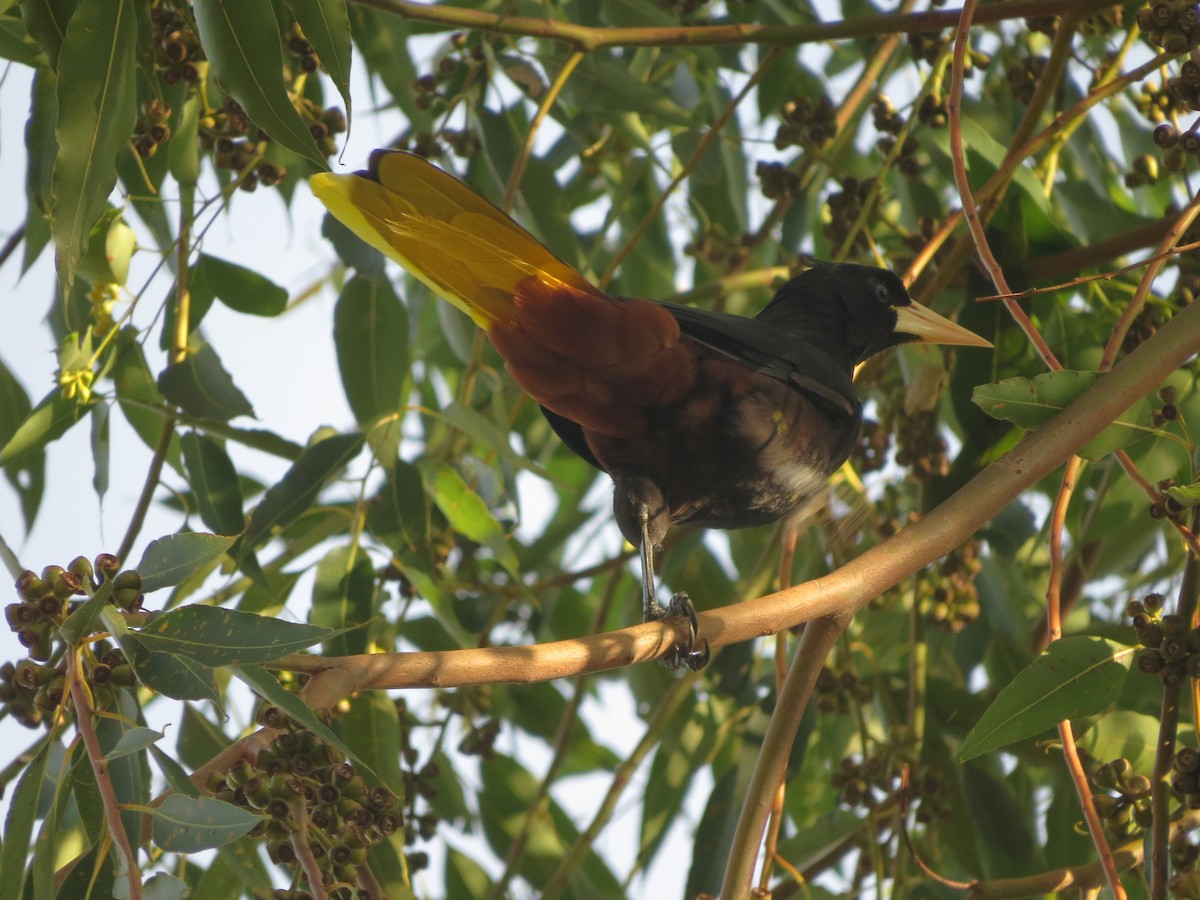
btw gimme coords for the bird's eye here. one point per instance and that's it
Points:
(881, 293)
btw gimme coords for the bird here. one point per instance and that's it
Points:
(700, 418)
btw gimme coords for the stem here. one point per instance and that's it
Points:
(841, 592)
(179, 343)
(686, 169)
(104, 786)
(788, 36)
(671, 699)
(817, 641)
(518, 170)
(1164, 755)
(969, 209)
(562, 743)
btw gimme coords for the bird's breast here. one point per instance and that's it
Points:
(741, 449)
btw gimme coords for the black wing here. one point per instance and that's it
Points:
(571, 434)
(774, 352)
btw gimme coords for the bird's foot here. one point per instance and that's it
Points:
(687, 653)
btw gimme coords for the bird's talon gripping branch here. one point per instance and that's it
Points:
(685, 654)
(701, 418)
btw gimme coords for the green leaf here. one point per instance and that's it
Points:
(465, 877)
(352, 250)
(47, 422)
(1187, 495)
(163, 886)
(326, 25)
(27, 475)
(241, 289)
(264, 684)
(215, 482)
(41, 148)
(201, 387)
(191, 824)
(141, 403)
(46, 21)
(213, 636)
(183, 152)
(175, 774)
(101, 444)
(18, 823)
(134, 740)
(16, 44)
(1032, 402)
(603, 85)
(1076, 676)
(97, 110)
(170, 675)
(343, 598)
(469, 515)
(508, 792)
(297, 490)
(111, 244)
(172, 559)
(370, 331)
(241, 38)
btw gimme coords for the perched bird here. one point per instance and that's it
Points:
(702, 418)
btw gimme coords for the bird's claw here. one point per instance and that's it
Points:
(683, 653)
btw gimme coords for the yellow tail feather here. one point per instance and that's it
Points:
(452, 239)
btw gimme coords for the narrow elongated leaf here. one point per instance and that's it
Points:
(264, 684)
(343, 597)
(18, 823)
(370, 330)
(100, 448)
(47, 422)
(133, 741)
(190, 824)
(171, 675)
(141, 403)
(326, 25)
(296, 491)
(27, 475)
(1032, 402)
(239, 288)
(215, 482)
(172, 559)
(46, 21)
(200, 386)
(97, 109)
(1076, 676)
(41, 148)
(241, 38)
(214, 636)
(469, 515)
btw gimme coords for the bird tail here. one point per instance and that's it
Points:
(452, 239)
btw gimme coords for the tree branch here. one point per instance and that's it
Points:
(846, 589)
(591, 38)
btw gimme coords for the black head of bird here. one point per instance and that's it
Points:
(703, 418)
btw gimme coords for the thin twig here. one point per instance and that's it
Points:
(1007, 169)
(179, 344)
(518, 169)
(562, 743)
(969, 209)
(787, 36)
(1181, 224)
(847, 588)
(708, 139)
(770, 768)
(104, 785)
(1164, 752)
(667, 705)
